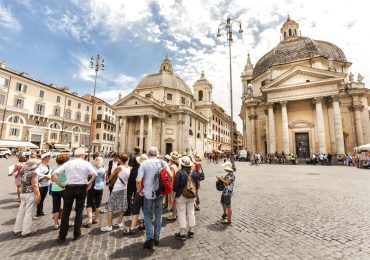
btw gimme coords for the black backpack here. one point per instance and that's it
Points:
(220, 185)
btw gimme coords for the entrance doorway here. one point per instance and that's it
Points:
(36, 139)
(168, 148)
(302, 143)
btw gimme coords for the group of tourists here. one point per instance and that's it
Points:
(135, 182)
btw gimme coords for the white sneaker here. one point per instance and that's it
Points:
(106, 229)
(120, 225)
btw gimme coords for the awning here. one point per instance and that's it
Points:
(61, 146)
(11, 144)
(362, 148)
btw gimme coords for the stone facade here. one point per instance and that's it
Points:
(300, 99)
(45, 115)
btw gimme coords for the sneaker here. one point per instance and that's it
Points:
(41, 214)
(79, 236)
(61, 240)
(156, 242)
(190, 234)
(148, 244)
(180, 237)
(106, 229)
(119, 225)
(34, 218)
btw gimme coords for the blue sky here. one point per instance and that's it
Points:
(54, 40)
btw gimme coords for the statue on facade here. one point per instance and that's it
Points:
(269, 76)
(351, 79)
(360, 78)
(250, 90)
(331, 64)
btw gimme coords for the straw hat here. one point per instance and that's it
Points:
(168, 157)
(227, 166)
(186, 161)
(174, 158)
(140, 159)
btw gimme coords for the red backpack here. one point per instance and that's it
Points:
(162, 182)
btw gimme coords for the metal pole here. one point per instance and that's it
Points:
(231, 99)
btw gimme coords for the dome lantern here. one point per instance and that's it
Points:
(166, 66)
(289, 30)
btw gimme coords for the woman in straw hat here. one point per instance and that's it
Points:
(227, 193)
(171, 197)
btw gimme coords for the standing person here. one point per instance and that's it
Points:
(77, 172)
(30, 196)
(197, 168)
(152, 204)
(137, 205)
(185, 205)
(95, 194)
(43, 173)
(227, 193)
(131, 185)
(18, 173)
(56, 191)
(117, 201)
(172, 200)
(111, 166)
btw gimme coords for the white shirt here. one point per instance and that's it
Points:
(123, 174)
(41, 171)
(114, 165)
(76, 171)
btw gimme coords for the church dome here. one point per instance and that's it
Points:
(295, 48)
(165, 78)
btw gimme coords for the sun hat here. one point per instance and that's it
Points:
(45, 155)
(186, 161)
(32, 163)
(227, 166)
(140, 159)
(174, 158)
(168, 157)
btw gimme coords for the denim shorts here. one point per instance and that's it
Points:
(226, 200)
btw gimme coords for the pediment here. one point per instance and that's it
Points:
(132, 100)
(301, 76)
(301, 124)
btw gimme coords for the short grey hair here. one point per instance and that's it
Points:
(79, 152)
(153, 151)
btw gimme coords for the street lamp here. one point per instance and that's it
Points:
(229, 34)
(96, 63)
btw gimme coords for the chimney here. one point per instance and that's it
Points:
(2, 65)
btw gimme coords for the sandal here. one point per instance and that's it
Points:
(225, 221)
(129, 232)
(172, 217)
(95, 221)
(87, 225)
(224, 216)
(141, 226)
(56, 227)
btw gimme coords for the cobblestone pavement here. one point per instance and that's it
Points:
(280, 212)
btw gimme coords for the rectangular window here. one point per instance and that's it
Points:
(14, 132)
(147, 95)
(191, 121)
(68, 114)
(69, 103)
(98, 125)
(21, 87)
(78, 116)
(99, 117)
(19, 102)
(198, 125)
(97, 136)
(183, 100)
(41, 94)
(2, 99)
(57, 111)
(100, 108)
(169, 96)
(104, 136)
(87, 118)
(53, 136)
(76, 138)
(79, 105)
(39, 110)
(87, 108)
(106, 109)
(58, 99)
(4, 82)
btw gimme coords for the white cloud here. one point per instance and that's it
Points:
(7, 19)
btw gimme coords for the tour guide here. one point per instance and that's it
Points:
(77, 172)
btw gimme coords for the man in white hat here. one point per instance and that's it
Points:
(43, 173)
(227, 193)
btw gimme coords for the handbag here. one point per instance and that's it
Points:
(201, 174)
(220, 185)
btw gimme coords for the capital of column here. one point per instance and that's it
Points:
(357, 107)
(270, 105)
(252, 117)
(317, 100)
(283, 103)
(335, 98)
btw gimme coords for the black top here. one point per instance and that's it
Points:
(180, 180)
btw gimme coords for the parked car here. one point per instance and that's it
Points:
(68, 152)
(54, 153)
(243, 155)
(5, 152)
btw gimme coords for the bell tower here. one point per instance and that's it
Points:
(203, 90)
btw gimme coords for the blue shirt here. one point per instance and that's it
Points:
(99, 181)
(181, 179)
(147, 172)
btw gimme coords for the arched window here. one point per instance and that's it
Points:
(290, 32)
(76, 129)
(54, 125)
(16, 120)
(200, 95)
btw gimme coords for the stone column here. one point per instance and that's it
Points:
(333, 144)
(320, 125)
(123, 134)
(359, 133)
(267, 131)
(163, 144)
(150, 132)
(365, 120)
(179, 134)
(252, 118)
(115, 148)
(272, 135)
(339, 139)
(141, 138)
(284, 116)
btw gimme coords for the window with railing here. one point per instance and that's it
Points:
(78, 116)
(14, 132)
(18, 102)
(68, 114)
(21, 87)
(57, 111)
(54, 136)
(87, 118)
(39, 109)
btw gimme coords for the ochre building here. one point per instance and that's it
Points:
(300, 98)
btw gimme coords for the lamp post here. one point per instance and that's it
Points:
(227, 26)
(96, 63)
